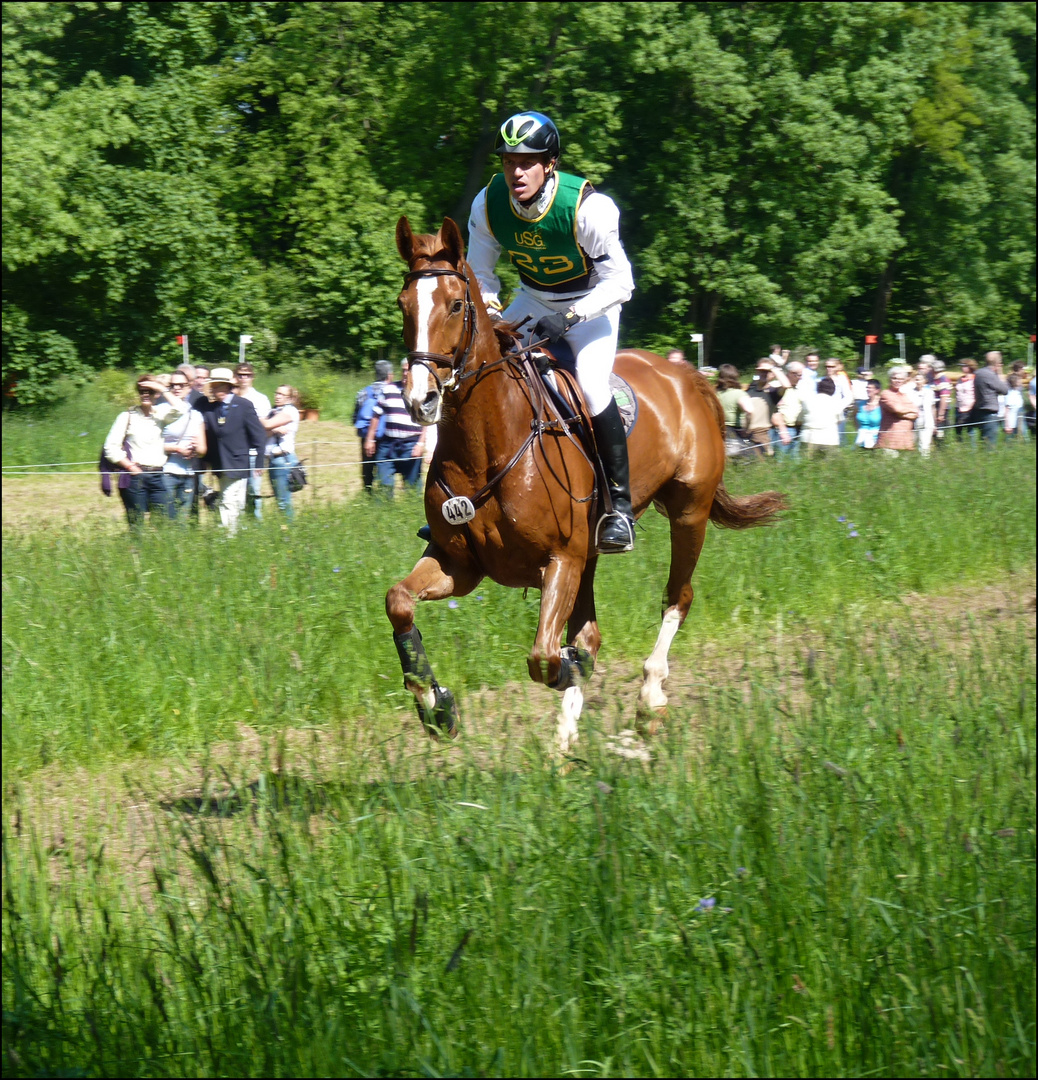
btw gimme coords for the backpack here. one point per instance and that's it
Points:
(364, 409)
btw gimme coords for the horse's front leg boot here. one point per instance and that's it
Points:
(575, 668)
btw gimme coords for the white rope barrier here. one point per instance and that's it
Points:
(761, 448)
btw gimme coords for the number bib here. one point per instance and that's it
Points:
(458, 510)
(545, 250)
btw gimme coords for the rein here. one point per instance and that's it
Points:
(519, 360)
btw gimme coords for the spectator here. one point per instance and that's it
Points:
(676, 356)
(775, 359)
(762, 408)
(859, 388)
(785, 357)
(987, 385)
(135, 444)
(897, 415)
(938, 379)
(1032, 407)
(400, 449)
(363, 411)
(735, 404)
(236, 440)
(809, 376)
(1013, 422)
(844, 395)
(789, 413)
(282, 423)
(184, 444)
(868, 416)
(245, 379)
(200, 380)
(965, 395)
(925, 423)
(189, 373)
(820, 430)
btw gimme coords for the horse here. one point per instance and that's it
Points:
(511, 493)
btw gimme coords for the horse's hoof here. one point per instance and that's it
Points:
(649, 721)
(442, 717)
(445, 712)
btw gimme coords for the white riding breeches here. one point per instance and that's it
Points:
(593, 343)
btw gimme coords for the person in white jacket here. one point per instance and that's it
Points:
(564, 239)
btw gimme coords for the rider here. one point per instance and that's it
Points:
(564, 239)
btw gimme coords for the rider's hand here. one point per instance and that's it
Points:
(553, 327)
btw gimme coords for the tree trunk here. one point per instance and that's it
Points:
(713, 306)
(488, 132)
(884, 290)
(477, 165)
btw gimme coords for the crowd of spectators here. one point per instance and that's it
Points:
(194, 421)
(792, 403)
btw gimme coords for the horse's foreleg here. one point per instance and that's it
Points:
(546, 662)
(686, 542)
(431, 579)
(583, 641)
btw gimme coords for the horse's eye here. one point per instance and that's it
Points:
(457, 306)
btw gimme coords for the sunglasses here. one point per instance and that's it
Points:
(178, 386)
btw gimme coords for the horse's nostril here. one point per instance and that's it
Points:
(430, 400)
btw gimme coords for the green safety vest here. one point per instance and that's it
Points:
(545, 249)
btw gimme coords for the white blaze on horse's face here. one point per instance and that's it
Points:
(423, 401)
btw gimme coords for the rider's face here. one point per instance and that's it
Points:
(525, 174)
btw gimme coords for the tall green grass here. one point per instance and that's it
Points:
(836, 882)
(117, 646)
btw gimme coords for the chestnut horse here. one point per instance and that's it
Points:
(510, 495)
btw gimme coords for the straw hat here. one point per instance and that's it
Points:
(220, 375)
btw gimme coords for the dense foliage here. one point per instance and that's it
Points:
(803, 172)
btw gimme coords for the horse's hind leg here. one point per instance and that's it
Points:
(433, 578)
(687, 533)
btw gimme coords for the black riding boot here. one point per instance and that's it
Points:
(615, 532)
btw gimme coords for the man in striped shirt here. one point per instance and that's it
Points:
(402, 444)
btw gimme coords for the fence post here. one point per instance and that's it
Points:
(313, 468)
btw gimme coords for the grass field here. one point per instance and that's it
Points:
(227, 850)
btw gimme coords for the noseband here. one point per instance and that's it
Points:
(456, 361)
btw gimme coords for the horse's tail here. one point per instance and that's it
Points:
(746, 511)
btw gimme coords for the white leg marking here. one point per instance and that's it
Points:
(428, 698)
(566, 734)
(656, 669)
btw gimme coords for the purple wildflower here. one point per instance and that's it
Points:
(452, 603)
(336, 569)
(868, 555)
(706, 903)
(841, 519)
(853, 533)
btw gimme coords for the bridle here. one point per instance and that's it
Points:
(459, 358)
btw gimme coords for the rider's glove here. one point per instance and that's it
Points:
(553, 327)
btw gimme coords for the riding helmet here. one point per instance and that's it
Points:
(529, 133)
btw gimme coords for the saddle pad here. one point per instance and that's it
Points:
(625, 400)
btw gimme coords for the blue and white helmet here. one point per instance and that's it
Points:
(529, 133)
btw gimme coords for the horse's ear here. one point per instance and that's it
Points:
(450, 237)
(405, 240)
